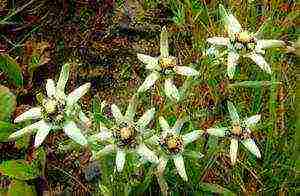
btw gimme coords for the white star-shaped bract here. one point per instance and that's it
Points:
(172, 144)
(126, 136)
(242, 43)
(239, 131)
(164, 66)
(58, 111)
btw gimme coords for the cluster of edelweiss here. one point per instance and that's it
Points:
(60, 111)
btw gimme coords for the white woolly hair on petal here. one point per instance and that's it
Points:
(74, 133)
(27, 129)
(260, 61)
(186, 71)
(147, 154)
(41, 134)
(50, 88)
(232, 61)
(179, 164)
(149, 81)
(269, 43)
(104, 151)
(233, 150)
(162, 163)
(63, 77)
(117, 114)
(146, 118)
(75, 95)
(192, 136)
(219, 132)
(233, 112)
(31, 114)
(151, 62)
(164, 44)
(252, 147)
(252, 120)
(223, 41)
(163, 124)
(171, 90)
(232, 24)
(120, 160)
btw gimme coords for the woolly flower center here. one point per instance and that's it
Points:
(167, 62)
(53, 111)
(240, 131)
(126, 136)
(172, 143)
(50, 106)
(244, 41)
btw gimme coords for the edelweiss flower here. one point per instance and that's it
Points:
(57, 111)
(126, 136)
(172, 144)
(164, 66)
(242, 43)
(240, 131)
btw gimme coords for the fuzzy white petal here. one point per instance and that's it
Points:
(162, 164)
(164, 44)
(232, 24)
(120, 160)
(232, 61)
(219, 132)
(171, 90)
(130, 111)
(33, 113)
(149, 81)
(164, 124)
(84, 119)
(104, 135)
(233, 150)
(50, 88)
(179, 164)
(74, 133)
(63, 77)
(146, 118)
(179, 124)
(223, 41)
(260, 61)
(104, 151)
(268, 43)
(151, 62)
(233, 113)
(154, 140)
(192, 136)
(147, 154)
(26, 129)
(186, 71)
(252, 120)
(75, 95)
(117, 114)
(41, 134)
(60, 95)
(251, 146)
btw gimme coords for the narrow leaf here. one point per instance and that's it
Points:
(9, 66)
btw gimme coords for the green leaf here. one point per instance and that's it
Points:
(104, 190)
(7, 103)
(18, 188)
(19, 169)
(34, 63)
(214, 188)
(98, 107)
(222, 11)
(253, 84)
(12, 69)
(5, 130)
